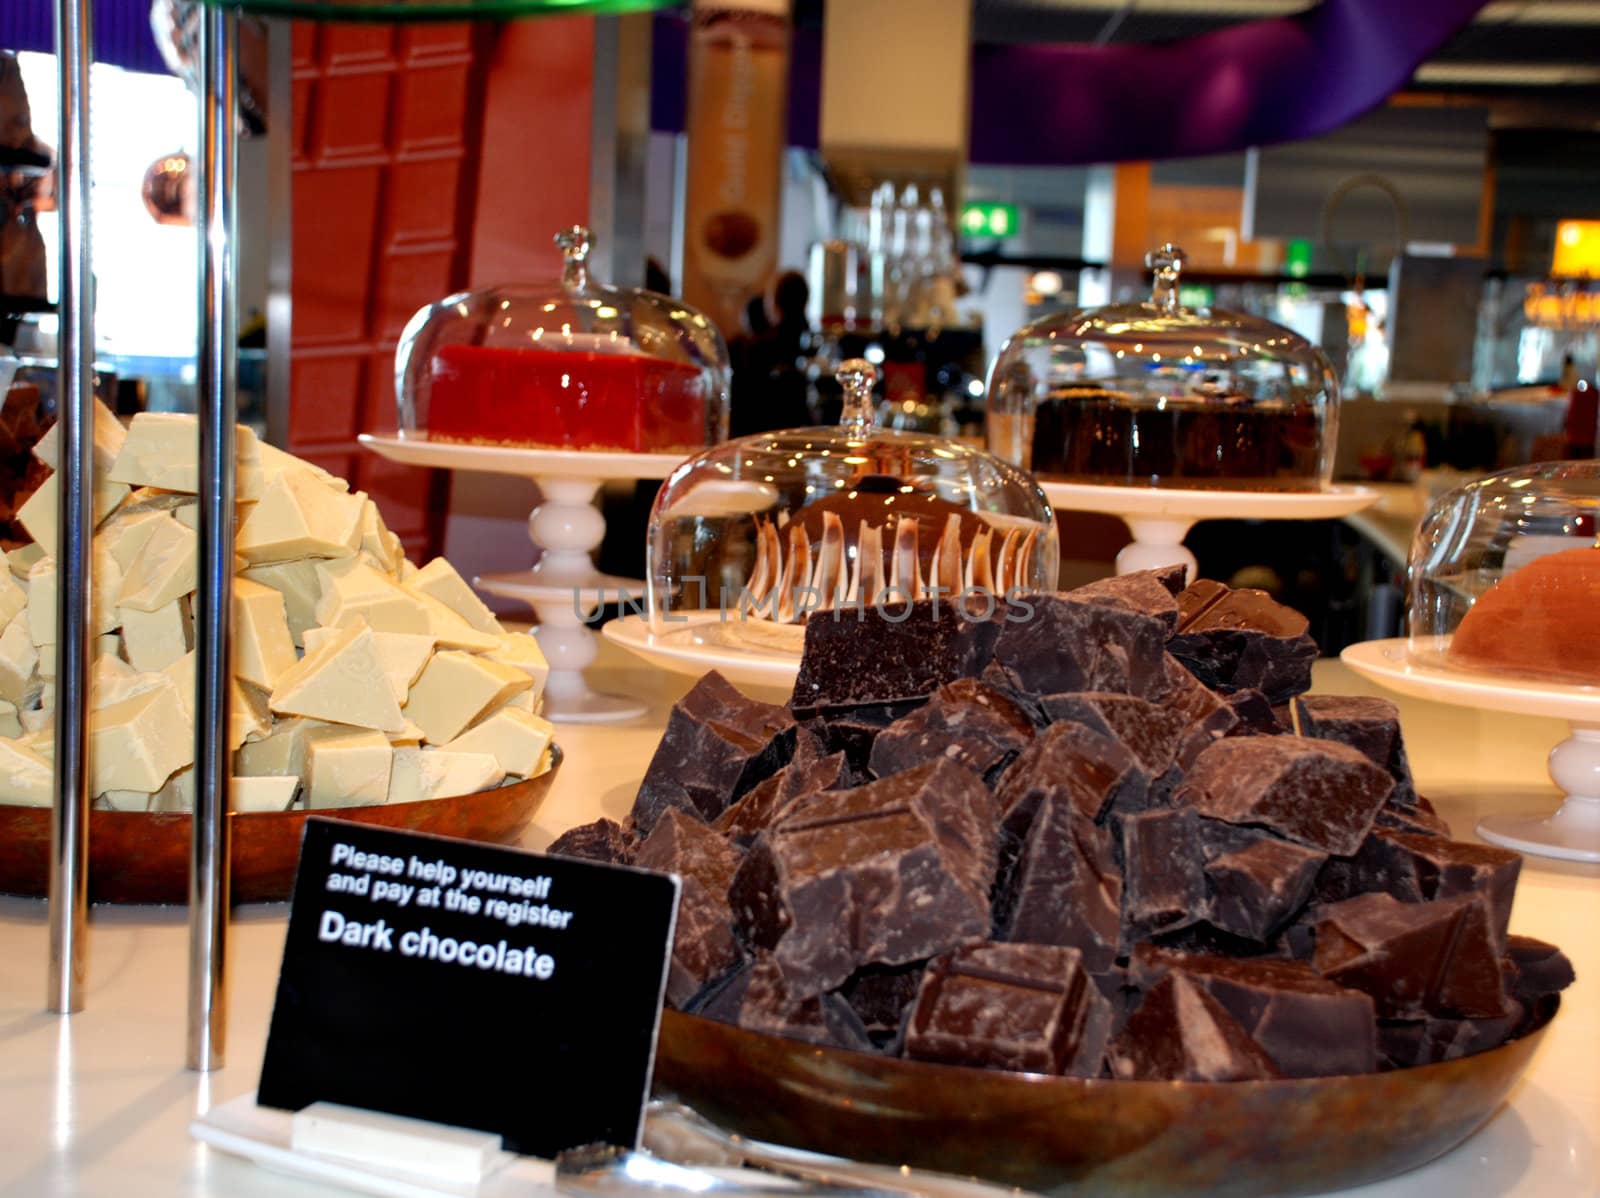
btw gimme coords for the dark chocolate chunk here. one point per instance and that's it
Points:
(1243, 640)
(967, 722)
(1181, 1033)
(895, 652)
(1028, 1007)
(881, 996)
(806, 774)
(1056, 643)
(1257, 717)
(1433, 958)
(1062, 886)
(1163, 886)
(1404, 1043)
(1205, 713)
(771, 1005)
(1153, 734)
(1321, 794)
(1094, 772)
(1445, 868)
(718, 744)
(703, 947)
(852, 730)
(883, 874)
(996, 677)
(1363, 722)
(1417, 816)
(1308, 1025)
(604, 840)
(1256, 888)
(722, 999)
(1174, 578)
(1538, 969)
(1144, 591)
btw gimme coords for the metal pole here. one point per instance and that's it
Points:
(69, 824)
(218, 366)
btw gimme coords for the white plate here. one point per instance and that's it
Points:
(1329, 503)
(417, 450)
(1423, 675)
(752, 656)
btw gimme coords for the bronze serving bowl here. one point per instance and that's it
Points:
(1083, 1137)
(143, 857)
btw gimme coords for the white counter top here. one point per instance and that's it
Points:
(98, 1103)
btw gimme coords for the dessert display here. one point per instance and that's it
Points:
(1104, 833)
(775, 527)
(569, 364)
(359, 678)
(1505, 575)
(1157, 394)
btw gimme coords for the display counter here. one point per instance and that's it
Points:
(98, 1103)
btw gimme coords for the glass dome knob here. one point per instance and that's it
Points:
(858, 377)
(574, 243)
(1167, 263)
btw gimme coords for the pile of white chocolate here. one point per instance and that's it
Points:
(358, 678)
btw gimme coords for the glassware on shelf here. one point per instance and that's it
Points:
(767, 531)
(1157, 394)
(568, 364)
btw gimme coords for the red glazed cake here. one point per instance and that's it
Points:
(1537, 620)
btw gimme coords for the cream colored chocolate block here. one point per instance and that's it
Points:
(440, 580)
(189, 514)
(123, 800)
(299, 517)
(165, 568)
(10, 725)
(25, 776)
(262, 648)
(342, 682)
(513, 738)
(353, 590)
(281, 753)
(162, 450)
(39, 728)
(13, 597)
(107, 432)
(19, 661)
(422, 774)
(156, 639)
(139, 743)
(410, 736)
(377, 541)
(347, 768)
(249, 795)
(105, 580)
(112, 680)
(41, 512)
(248, 716)
(408, 571)
(450, 630)
(300, 586)
(455, 689)
(403, 655)
(124, 535)
(521, 650)
(526, 701)
(274, 461)
(21, 559)
(546, 760)
(177, 795)
(144, 500)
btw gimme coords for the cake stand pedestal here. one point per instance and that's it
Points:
(564, 588)
(1572, 832)
(1160, 518)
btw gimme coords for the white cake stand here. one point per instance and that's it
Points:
(1160, 518)
(564, 588)
(1573, 831)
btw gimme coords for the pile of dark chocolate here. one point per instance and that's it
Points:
(1098, 833)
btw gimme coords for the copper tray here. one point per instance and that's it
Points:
(143, 857)
(1063, 1135)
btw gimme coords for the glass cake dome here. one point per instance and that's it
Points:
(767, 529)
(1156, 394)
(1505, 575)
(567, 364)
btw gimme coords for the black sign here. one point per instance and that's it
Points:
(470, 985)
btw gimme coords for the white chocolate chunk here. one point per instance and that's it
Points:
(440, 580)
(455, 689)
(162, 450)
(422, 774)
(41, 513)
(165, 569)
(13, 598)
(106, 645)
(248, 717)
(106, 431)
(142, 741)
(10, 726)
(450, 630)
(353, 590)
(342, 682)
(273, 461)
(25, 776)
(112, 680)
(522, 651)
(123, 800)
(377, 542)
(19, 661)
(105, 580)
(299, 517)
(156, 639)
(402, 654)
(124, 535)
(300, 586)
(21, 559)
(247, 795)
(513, 738)
(177, 795)
(346, 768)
(281, 753)
(262, 649)
(410, 736)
